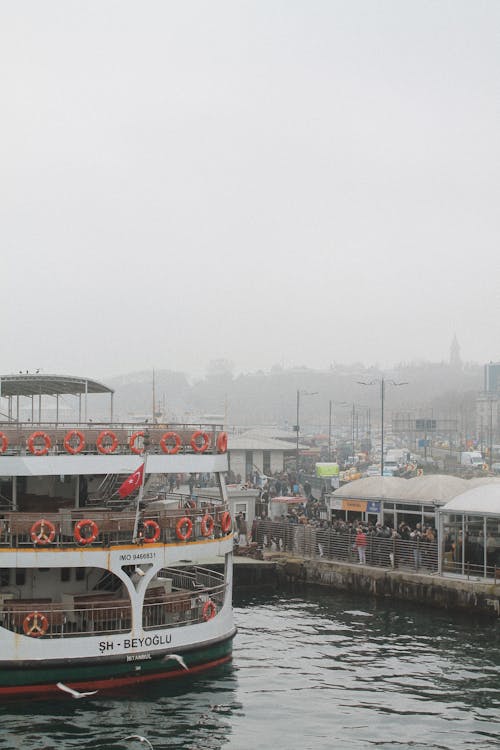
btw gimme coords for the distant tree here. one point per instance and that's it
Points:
(220, 367)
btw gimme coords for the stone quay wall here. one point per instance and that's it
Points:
(280, 572)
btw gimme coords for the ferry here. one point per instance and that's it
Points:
(110, 575)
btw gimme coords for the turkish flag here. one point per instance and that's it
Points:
(132, 483)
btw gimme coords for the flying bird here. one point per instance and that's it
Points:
(177, 658)
(141, 739)
(74, 693)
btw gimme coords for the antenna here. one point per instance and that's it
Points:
(154, 398)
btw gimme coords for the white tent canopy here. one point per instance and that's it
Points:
(432, 488)
(482, 500)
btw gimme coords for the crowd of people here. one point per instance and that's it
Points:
(368, 542)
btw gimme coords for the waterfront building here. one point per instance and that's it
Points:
(393, 499)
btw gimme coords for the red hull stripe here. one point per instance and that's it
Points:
(109, 683)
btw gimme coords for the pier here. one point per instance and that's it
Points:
(453, 592)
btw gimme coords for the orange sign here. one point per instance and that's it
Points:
(359, 505)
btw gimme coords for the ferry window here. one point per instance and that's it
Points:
(4, 576)
(266, 462)
(65, 574)
(20, 577)
(79, 574)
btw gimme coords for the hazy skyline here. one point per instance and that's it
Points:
(269, 182)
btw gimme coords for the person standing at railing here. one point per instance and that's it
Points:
(360, 543)
(415, 539)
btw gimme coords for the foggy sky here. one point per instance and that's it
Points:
(268, 182)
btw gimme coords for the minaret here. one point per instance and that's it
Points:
(455, 359)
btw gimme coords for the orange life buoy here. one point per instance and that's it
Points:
(43, 532)
(184, 533)
(225, 522)
(222, 442)
(42, 451)
(207, 525)
(175, 448)
(86, 523)
(132, 445)
(69, 437)
(4, 442)
(109, 448)
(35, 624)
(204, 445)
(209, 610)
(150, 524)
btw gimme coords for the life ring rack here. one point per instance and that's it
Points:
(4, 442)
(222, 442)
(42, 451)
(68, 445)
(209, 610)
(207, 525)
(43, 532)
(86, 523)
(170, 436)
(132, 445)
(225, 522)
(150, 524)
(35, 624)
(204, 445)
(107, 449)
(184, 528)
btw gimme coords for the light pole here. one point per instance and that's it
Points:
(382, 382)
(330, 416)
(297, 427)
(491, 434)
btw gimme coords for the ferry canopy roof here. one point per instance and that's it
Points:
(482, 500)
(373, 488)
(34, 384)
(432, 488)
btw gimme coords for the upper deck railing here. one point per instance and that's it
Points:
(107, 438)
(203, 519)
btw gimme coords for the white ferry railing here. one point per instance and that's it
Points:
(115, 437)
(203, 519)
(203, 596)
(99, 613)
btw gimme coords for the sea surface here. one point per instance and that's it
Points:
(310, 671)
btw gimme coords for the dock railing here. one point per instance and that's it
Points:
(315, 542)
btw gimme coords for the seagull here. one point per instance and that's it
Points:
(74, 693)
(177, 658)
(141, 739)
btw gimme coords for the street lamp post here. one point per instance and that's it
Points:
(297, 427)
(491, 434)
(382, 382)
(330, 421)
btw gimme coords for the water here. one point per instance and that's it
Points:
(322, 670)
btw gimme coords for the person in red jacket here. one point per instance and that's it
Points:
(360, 543)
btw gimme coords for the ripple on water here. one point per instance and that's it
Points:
(327, 670)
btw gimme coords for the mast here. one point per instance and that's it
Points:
(154, 399)
(141, 488)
